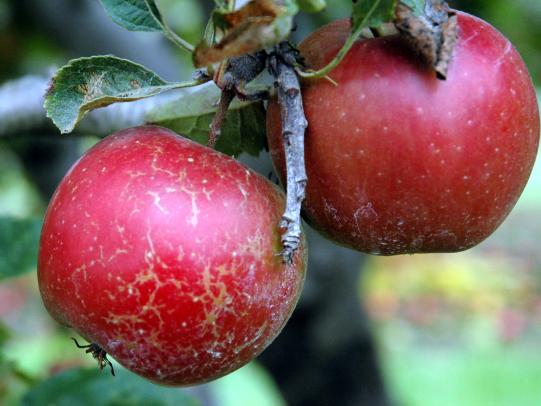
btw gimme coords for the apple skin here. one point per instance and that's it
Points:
(163, 252)
(400, 162)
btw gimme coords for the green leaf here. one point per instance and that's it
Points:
(372, 13)
(135, 15)
(19, 240)
(90, 387)
(86, 84)
(191, 116)
(312, 6)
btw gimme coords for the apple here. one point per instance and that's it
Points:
(163, 253)
(401, 162)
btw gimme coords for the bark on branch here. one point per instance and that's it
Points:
(282, 67)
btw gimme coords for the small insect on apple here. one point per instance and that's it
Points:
(163, 253)
(401, 162)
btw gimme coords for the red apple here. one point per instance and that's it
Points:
(163, 253)
(401, 162)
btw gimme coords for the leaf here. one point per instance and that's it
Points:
(372, 13)
(191, 116)
(312, 6)
(19, 240)
(86, 84)
(257, 25)
(135, 15)
(90, 387)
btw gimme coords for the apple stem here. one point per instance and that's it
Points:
(216, 127)
(232, 77)
(282, 62)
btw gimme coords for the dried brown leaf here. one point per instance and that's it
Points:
(253, 9)
(433, 34)
(250, 29)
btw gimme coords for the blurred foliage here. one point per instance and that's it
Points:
(443, 298)
(19, 240)
(20, 206)
(248, 386)
(23, 48)
(19, 197)
(186, 17)
(91, 387)
(504, 376)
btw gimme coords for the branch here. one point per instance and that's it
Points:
(282, 67)
(21, 105)
(21, 110)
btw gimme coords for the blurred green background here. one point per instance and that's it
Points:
(461, 329)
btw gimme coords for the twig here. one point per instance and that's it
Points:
(216, 127)
(282, 66)
(178, 41)
(231, 77)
